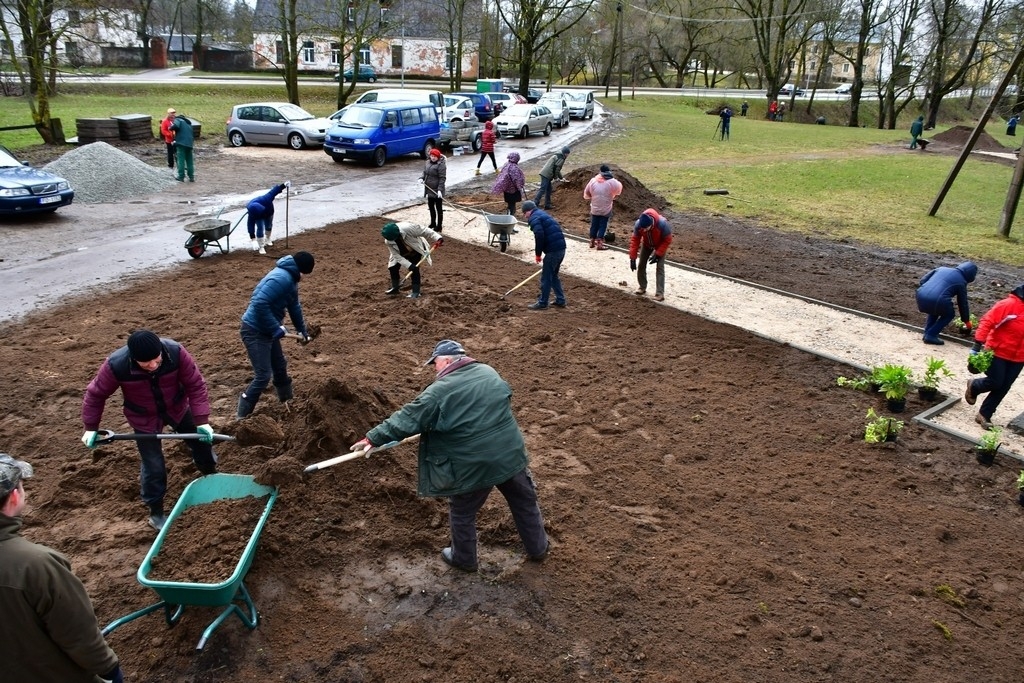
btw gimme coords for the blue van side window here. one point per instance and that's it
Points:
(391, 119)
(410, 117)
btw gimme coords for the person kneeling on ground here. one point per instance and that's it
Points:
(935, 295)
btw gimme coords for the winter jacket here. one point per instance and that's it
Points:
(262, 207)
(657, 238)
(917, 127)
(49, 632)
(547, 233)
(184, 136)
(602, 191)
(176, 387)
(276, 293)
(553, 169)
(434, 175)
(511, 179)
(165, 129)
(1002, 328)
(488, 140)
(417, 238)
(940, 285)
(469, 438)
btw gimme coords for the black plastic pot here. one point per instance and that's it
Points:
(896, 405)
(986, 458)
(1020, 497)
(927, 393)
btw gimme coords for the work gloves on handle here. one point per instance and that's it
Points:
(205, 432)
(439, 243)
(632, 264)
(364, 445)
(89, 439)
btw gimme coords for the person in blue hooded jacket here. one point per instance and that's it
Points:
(261, 218)
(263, 328)
(549, 249)
(935, 294)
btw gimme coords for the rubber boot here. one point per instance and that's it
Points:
(245, 406)
(285, 392)
(261, 241)
(255, 244)
(267, 242)
(393, 271)
(600, 246)
(477, 171)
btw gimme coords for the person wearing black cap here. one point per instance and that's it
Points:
(408, 245)
(552, 171)
(263, 328)
(161, 385)
(652, 235)
(49, 632)
(469, 443)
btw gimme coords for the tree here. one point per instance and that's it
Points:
(535, 24)
(774, 24)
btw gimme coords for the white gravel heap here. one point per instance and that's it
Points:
(102, 173)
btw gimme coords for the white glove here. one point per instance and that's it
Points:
(89, 439)
(280, 332)
(207, 433)
(439, 195)
(287, 183)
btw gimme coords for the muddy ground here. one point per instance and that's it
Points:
(714, 512)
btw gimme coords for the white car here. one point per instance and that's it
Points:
(844, 89)
(459, 109)
(523, 119)
(558, 103)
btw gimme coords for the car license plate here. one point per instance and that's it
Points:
(50, 200)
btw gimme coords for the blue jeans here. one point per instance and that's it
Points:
(153, 470)
(268, 362)
(264, 226)
(521, 496)
(939, 315)
(998, 380)
(549, 279)
(598, 226)
(544, 191)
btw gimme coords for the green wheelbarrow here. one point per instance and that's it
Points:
(230, 594)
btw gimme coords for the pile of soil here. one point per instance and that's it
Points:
(957, 136)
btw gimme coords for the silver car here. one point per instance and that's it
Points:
(558, 103)
(523, 119)
(275, 123)
(581, 104)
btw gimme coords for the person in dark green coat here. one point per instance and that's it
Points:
(184, 140)
(470, 443)
(916, 128)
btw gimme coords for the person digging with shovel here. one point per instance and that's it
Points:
(161, 385)
(408, 245)
(469, 444)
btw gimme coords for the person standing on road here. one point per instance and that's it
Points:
(261, 218)
(1011, 125)
(435, 173)
(549, 249)
(487, 141)
(161, 385)
(184, 139)
(1002, 331)
(601, 191)
(49, 632)
(935, 293)
(652, 235)
(552, 171)
(916, 129)
(510, 182)
(408, 245)
(469, 444)
(167, 135)
(263, 328)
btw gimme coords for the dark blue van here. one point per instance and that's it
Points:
(379, 131)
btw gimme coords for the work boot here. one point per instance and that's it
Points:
(449, 559)
(245, 406)
(600, 246)
(285, 392)
(260, 242)
(496, 171)
(157, 518)
(255, 245)
(267, 242)
(593, 243)
(395, 284)
(413, 295)
(969, 394)
(477, 171)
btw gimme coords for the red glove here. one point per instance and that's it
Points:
(968, 325)
(439, 243)
(362, 445)
(539, 258)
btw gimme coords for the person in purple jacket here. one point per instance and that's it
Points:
(935, 294)
(161, 385)
(261, 218)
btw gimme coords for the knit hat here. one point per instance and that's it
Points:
(435, 153)
(565, 151)
(529, 206)
(11, 472)
(171, 111)
(605, 169)
(304, 260)
(390, 232)
(446, 347)
(645, 221)
(144, 346)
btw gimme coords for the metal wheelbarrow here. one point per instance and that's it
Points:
(209, 231)
(230, 594)
(501, 228)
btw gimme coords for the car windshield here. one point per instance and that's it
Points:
(7, 160)
(359, 117)
(293, 113)
(578, 97)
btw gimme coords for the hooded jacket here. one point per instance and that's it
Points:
(657, 238)
(262, 206)
(276, 293)
(553, 169)
(547, 233)
(601, 191)
(49, 632)
(184, 136)
(511, 179)
(174, 388)
(488, 138)
(1002, 328)
(940, 285)
(417, 238)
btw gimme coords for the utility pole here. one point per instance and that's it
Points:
(618, 23)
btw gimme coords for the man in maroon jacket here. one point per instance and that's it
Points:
(161, 385)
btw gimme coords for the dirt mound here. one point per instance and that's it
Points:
(258, 430)
(957, 136)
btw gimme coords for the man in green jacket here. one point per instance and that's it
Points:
(469, 443)
(552, 171)
(916, 129)
(48, 630)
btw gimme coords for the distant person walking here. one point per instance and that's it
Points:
(1011, 125)
(935, 294)
(184, 139)
(652, 235)
(510, 182)
(601, 191)
(916, 129)
(167, 135)
(1002, 331)
(487, 142)
(552, 171)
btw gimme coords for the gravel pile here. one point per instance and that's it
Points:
(102, 173)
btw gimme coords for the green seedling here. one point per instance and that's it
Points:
(880, 429)
(989, 441)
(858, 383)
(1020, 481)
(947, 594)
(982, 360)
(896, 381)
(935, 370)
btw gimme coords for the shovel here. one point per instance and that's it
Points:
(357, 454)
(104, 436)
(313, 330)
(538, 272)
(420, 262)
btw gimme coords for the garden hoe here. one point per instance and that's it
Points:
(357, 454)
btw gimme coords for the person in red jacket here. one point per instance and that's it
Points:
(168, 135)
(161, 385)
(487, 140)
(652, 235)
(1002, 331)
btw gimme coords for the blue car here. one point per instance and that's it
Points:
(24, 189)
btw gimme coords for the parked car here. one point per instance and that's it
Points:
(788, 90)
(435, 97)
(506, 99)
(481, 103)
(379, 131)
(532, 95)
(366, 73)
(24, 189)
(581, 104)
(523, 119)
(844, 89)
(275, 123)
(558, 103)
(458, 108)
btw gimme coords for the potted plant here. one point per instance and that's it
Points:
(963, 329)
(935, 370)
(896, 381)
(1020, 488)
(880, 429)
(979, 362)
(988, 445)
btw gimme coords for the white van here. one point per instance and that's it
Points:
(405, 95)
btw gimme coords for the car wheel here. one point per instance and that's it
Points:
(427, 146)
(236, 139)
(337, 159)
(372, 79)
(478, 142)
(380, 155)
(295, 141)
(547, 129)
(524, 133)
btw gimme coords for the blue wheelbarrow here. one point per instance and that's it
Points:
(230, 594)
